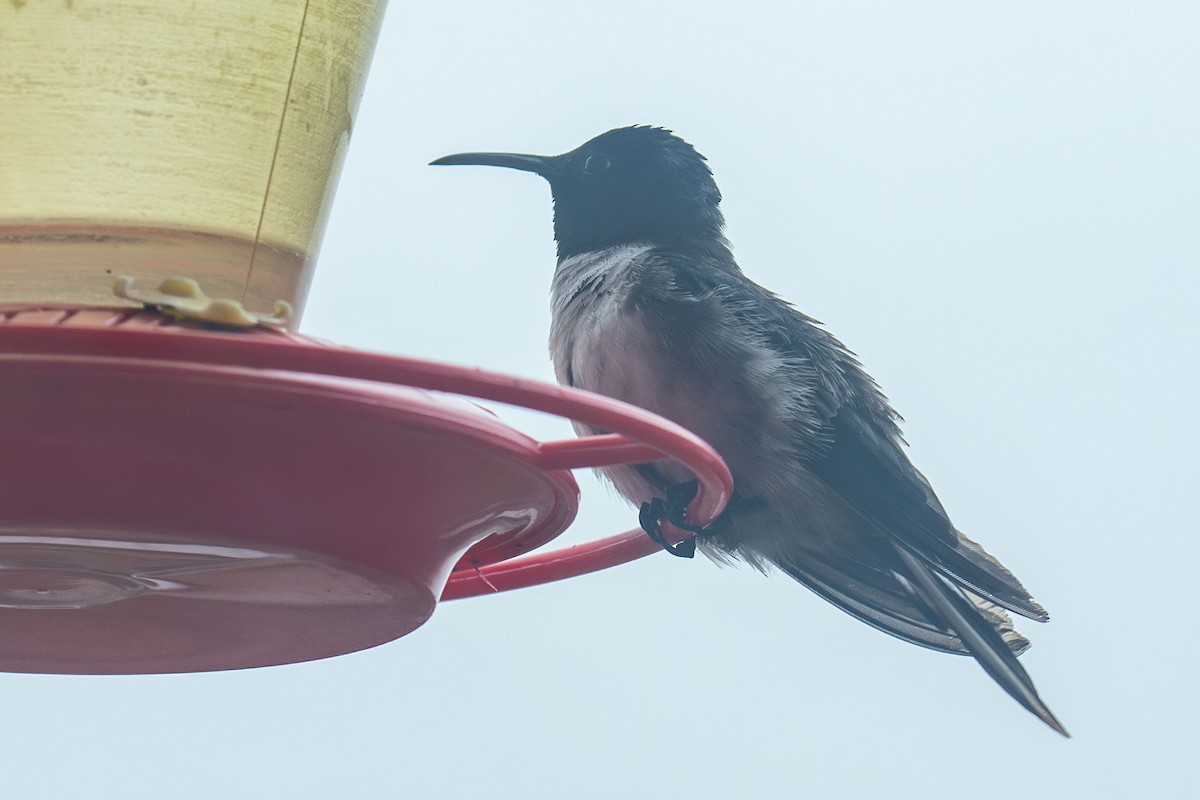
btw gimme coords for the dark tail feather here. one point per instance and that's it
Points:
(978, 635)
(892, 610)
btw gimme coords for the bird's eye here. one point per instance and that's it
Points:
(594, 164)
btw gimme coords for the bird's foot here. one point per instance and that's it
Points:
(651, 516)
(673, 510)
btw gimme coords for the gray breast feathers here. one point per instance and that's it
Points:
(624, 326)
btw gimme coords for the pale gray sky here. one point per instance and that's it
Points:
(995, 205)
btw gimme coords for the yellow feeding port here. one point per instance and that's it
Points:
(160, 138)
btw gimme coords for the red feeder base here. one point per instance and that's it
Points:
(175, 499)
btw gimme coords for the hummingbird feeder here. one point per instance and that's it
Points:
(186, 483)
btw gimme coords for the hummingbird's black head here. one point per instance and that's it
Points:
(637, 184)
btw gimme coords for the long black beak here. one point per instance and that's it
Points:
(546, 166)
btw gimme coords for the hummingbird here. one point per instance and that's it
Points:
(649, 306)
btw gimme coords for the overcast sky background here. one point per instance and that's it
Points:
(997, 206)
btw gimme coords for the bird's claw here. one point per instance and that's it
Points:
(673, 510)
(678, 497)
